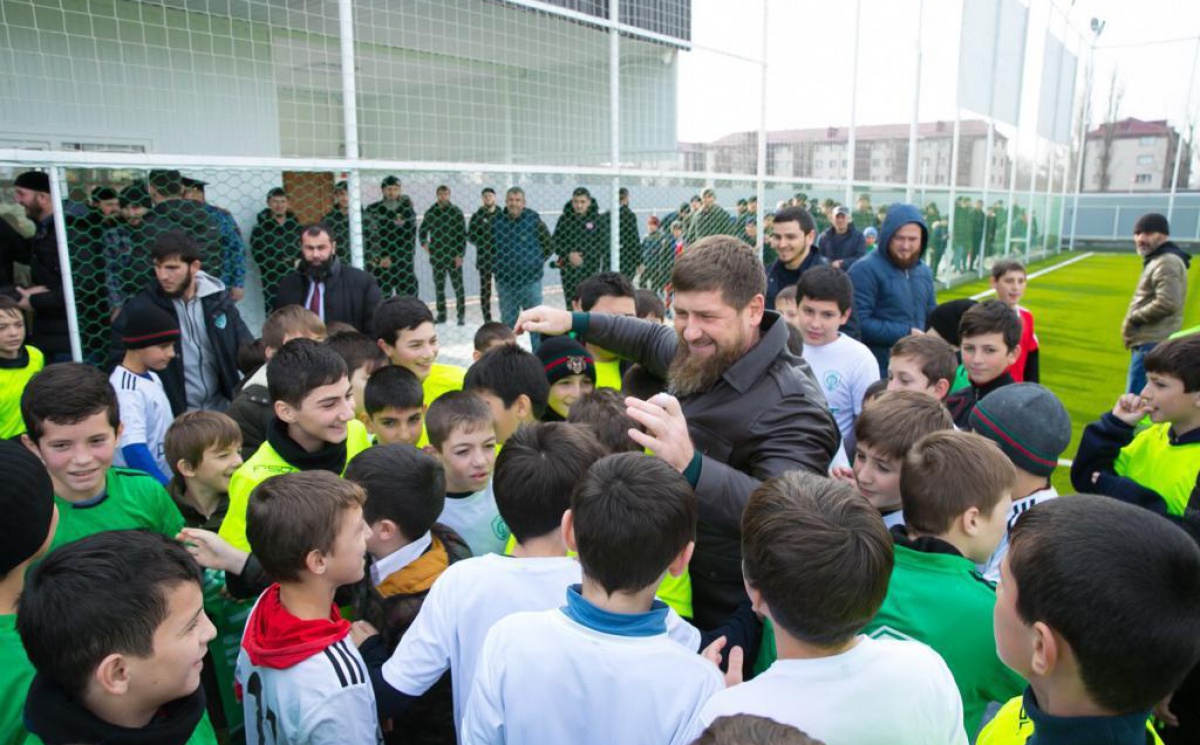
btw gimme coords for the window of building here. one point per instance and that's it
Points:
(819, 164)
(1146, 141)
(1145, 160)
(1142, 178)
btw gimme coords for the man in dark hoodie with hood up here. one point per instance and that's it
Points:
(893, 287)
(1156, 310)
(580, 241)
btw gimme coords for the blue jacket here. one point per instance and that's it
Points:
(848, 247)
(522, 247)
(889, 301)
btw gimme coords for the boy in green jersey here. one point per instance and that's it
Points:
(956, 488)
(123, 663)
(27, 503)
(1097, 607)
(72, 422)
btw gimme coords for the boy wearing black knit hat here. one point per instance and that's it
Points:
(571, 372)
(1033, 429)
(149, 337)
(27, 503)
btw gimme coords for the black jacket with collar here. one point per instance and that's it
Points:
(765, 416)
(351, 295)
(226, 330)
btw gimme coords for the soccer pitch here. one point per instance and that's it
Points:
(1078, 311)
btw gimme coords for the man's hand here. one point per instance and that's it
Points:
(237, 293)
(425, 246)
(666, 432)
(360, 631)
(836, 264)
(1130, 409)
(544, 320)
(712, 653)
(212, 551)
(458, 262)
(575, 258)
(26, 292)
(916, 331)
(844, 475)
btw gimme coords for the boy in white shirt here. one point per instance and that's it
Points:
(149, 338)
(836, 685)
(843, 366)
(602, 668)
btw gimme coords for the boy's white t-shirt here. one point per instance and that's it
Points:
(844, 368)
(544, 677)
(145, 414)
(477, 521)
(991, 570)
(880, 692)
(464, 604)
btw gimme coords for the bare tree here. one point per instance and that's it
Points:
(1116, 92)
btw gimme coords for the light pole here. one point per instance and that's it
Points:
(1097, 27)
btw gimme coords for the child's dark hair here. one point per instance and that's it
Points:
(789, 294)
(748, 729)
(191, 435)
(649, 305)
(251, 356)
(103, 594)
(803, 520)
(639, 382)
(300, 367)
(895, 421)
(358, 350)
(1121, 585)
(632, 517)
(67, 393)
(8, 305)
(1179, 358)
(398, 314)
(1004, 266)
(603, 411)
(290, 320)
(508, 372)
(402, 484)
(874, 391)
(291, 514)
(453, 410)
(175, 244)
(947, 473)
(491, 333)
(535, 472)
(938, 359)
(827, 283)
(991, 317)
(392, 387)
(605, 284)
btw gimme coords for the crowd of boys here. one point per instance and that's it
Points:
(373, 546)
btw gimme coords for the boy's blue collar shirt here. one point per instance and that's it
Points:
(650, 623)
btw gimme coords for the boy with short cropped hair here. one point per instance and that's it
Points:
(72, 424)
(299, 672)
(1032, 427)
(924, 363)
(842, 365)
(1159, 467)
(649, 306)
(408, 552)
(393, 406)
(826, 670)
(513, 383)
(491, 335)
(251, 407)
(313, 428)
(957, 490)
(404, 330)
(1078, 569)
(149, 338)
(991, 340)
(1009, 280)
(571, 372)
(604, 412)
(124, 663)
(27, 503)
(18, 363)
(887, 429)
(527, 684)
(363, 359)
(462, 436)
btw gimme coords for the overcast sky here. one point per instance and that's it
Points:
(810, 53)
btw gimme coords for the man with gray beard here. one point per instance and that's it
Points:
(740, 409)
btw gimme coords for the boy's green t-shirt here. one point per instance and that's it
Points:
(15, 676)
(204, 734)
(14, 375)
(131, 500)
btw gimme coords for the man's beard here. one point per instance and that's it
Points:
(909, 264)
(183, 288)
(34, 212)
(317, 271)
(690, 374)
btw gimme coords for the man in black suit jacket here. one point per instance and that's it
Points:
(329, 288)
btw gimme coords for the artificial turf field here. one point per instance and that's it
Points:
(1078, 311)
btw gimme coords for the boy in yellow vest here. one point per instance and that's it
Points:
(1159, 467)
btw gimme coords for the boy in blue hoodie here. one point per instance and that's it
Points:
(893, 287)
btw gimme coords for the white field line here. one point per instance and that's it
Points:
(1035, 275)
